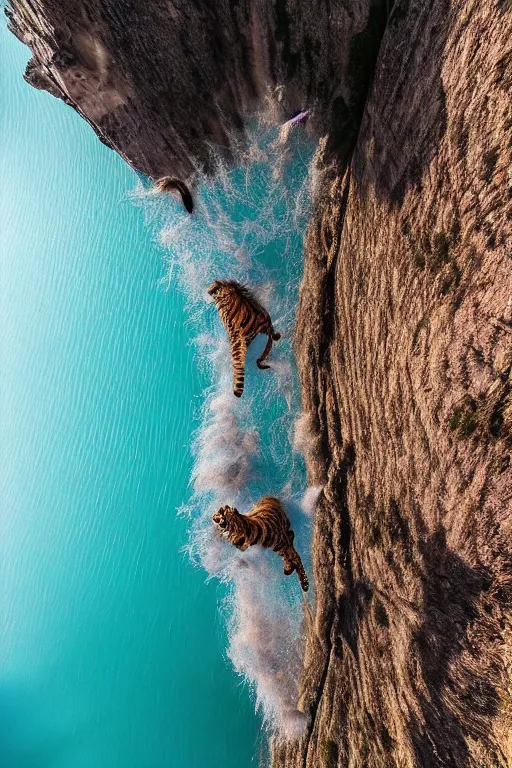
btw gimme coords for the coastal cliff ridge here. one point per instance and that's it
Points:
(404, 327)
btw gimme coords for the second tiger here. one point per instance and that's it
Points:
(243, 318)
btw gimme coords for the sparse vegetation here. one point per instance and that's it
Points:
(468, 423)
(486, 415)
(501, 463)
(464, 418)
(329, 754)
(381, 616)
(419, 259)
(440, 251)
(490, 160)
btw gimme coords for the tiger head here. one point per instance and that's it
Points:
(221, 288)
(224, 518)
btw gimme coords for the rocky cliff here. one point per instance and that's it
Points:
(170, 84)
(404, 330)
(404, 343)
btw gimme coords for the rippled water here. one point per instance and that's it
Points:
(116, 412)
(112, 649)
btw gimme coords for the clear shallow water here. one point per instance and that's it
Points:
(113, 649)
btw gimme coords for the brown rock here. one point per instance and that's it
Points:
(405, 350)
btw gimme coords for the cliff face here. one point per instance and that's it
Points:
(404, 343)
(404, 330)
(170, 84)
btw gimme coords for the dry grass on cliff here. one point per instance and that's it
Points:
(404, 342)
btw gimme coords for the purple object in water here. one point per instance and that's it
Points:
(300, 118)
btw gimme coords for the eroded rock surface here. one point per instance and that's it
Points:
(170, 85)
(404, 343)
(404, 332)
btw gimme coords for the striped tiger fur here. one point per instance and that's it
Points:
(243, 318)
(267, 525)
(169, 183)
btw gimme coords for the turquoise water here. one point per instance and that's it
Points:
(117, 414)
(113, 653)
(248, 225)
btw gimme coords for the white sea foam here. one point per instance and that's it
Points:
(248, 225)
(306, 440)
(310, 499)
(225, 452)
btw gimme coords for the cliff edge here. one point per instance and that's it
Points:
(171, 85)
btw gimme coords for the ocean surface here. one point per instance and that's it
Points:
(121, 436)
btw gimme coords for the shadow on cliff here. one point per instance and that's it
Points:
(405, 114)
(344, 117)
(457, 703)
(455, 672)
(171, 86)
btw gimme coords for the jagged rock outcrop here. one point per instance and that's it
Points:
(170, 85)
(404, 330)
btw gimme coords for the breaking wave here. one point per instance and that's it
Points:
(248, 225)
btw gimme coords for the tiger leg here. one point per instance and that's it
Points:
(240, 542)
(301, 573)
(265, 354)
(289, 567)
(239, 353)
(292, 562)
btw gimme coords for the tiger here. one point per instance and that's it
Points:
(265, 524)
(168, 183)
(243, 318)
